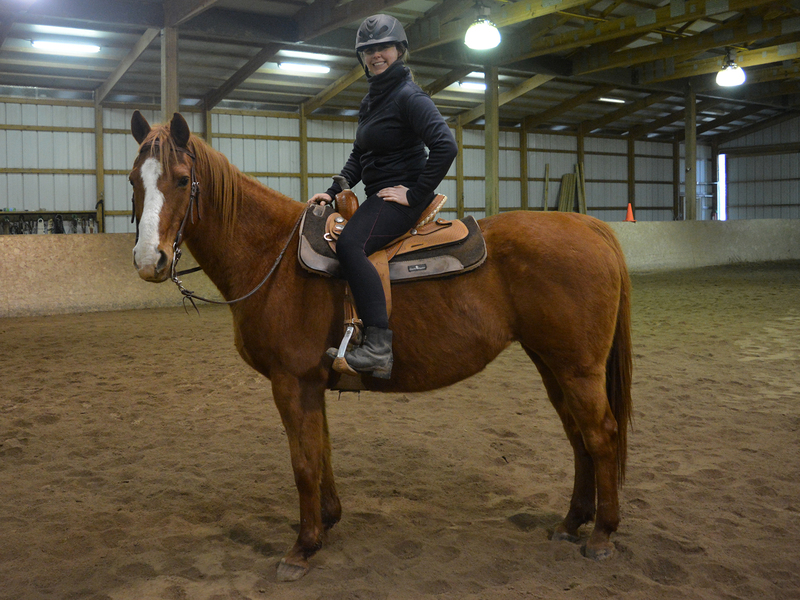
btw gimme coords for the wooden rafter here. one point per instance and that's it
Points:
(427, 33)
(643, 130)
(177, 12)
(661, 71)
(625, 111)
(448, 79)
(523, 88)
(333, 89)
(313, 20)
(139, 47)
(634, 25)
(724, 138)
(724, 120)
(569, 104)
(591, 61)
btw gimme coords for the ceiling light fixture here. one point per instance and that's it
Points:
(472, 86)
(303, 68)
(482, 34)
(731, 74)
(64, 47)
(305, 55)
(612, 100)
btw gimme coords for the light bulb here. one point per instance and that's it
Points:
(482, 35)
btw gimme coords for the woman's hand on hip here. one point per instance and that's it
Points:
(321, 198)
(395, 194)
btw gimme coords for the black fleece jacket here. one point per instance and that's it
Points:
(396, 121)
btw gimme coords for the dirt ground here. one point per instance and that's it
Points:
(140, 458)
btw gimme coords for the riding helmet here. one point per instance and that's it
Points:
(380, 29)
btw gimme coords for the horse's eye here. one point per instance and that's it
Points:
(183, 181)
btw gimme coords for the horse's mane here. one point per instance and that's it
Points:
(221, 181)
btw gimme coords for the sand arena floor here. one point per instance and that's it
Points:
(140, 458)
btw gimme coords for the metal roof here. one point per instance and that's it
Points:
(557, 58)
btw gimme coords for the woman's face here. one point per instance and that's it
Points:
(379, 58)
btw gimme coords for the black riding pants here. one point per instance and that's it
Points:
(374, 225)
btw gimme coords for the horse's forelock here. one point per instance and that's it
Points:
(219, 180)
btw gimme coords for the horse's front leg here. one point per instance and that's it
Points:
(302, 408)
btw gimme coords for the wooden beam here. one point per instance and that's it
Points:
(690, 153)
(523, 88)
(729, 118)
(625, 111)
(333, 89)
(214, 97)
(570, 104)
(323, 16)
(631, 154)
(666, 71)
(99, 165)
(170, 98)
(646, 128)
(664, 53)
(427, 33)
(492, 142)
(755, 127)
(177, 12)
(122, 68)
(634, 25)
(447, 79)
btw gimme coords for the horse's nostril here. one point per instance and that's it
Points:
(162, 260)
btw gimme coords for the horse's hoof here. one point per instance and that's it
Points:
(602, 552)
(290, 571)
(562, 536)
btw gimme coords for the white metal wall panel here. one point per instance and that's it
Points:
(593, 144)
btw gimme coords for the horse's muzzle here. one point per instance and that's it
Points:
(156, 269)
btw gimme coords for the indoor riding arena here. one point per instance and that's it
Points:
(142, 458)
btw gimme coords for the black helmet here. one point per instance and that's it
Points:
(380, 29)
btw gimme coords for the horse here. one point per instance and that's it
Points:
(556, 283)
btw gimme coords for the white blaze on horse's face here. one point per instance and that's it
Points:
(148, 258)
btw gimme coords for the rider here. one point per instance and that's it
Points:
(396, 121)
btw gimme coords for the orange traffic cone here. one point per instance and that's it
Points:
(629, 216)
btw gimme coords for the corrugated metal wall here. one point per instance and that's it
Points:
(763, 173)
(47, 163)
(47, 157)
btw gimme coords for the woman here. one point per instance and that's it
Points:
(396, 121)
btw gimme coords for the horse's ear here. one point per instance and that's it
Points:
(139, 127)
(179, 130)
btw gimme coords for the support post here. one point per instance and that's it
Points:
(632, 172)
(460, 171)
(677, 212)
(492, 142)
(523, 168)
(303, 154)
(690, 143)
(99, 165)
(169, 72)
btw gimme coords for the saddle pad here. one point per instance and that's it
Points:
(316, 256)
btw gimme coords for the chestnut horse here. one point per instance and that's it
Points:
(554, 282)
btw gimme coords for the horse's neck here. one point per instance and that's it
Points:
(235, 259)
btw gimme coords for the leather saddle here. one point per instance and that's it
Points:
(433, 248)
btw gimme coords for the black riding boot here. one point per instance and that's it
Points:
(374, 355)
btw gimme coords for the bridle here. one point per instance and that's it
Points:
(194, 207)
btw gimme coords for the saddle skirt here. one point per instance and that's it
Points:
(437, 249)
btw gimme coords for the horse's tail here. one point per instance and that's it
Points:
(619, 366)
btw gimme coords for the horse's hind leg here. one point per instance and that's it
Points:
(586, 400)
(582, 504)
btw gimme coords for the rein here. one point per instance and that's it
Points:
(194, 206)
(191, 296)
